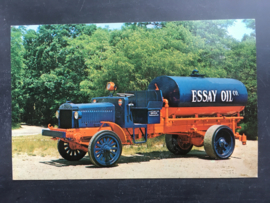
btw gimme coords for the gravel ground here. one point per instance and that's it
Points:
(27, 130)
(243, 163)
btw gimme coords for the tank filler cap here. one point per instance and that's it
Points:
(195, 73)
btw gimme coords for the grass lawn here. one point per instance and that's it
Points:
(38, 145)
(33, 145)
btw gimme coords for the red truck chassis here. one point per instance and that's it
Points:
(189, 130)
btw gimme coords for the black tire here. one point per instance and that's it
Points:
(105, 148)
(173, 146)
(219, 142)
(69, 154)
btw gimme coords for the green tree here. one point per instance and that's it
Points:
(74, 62)
(133, 57)
(241, 65)
(51, 77)
(17, 69)
(250, 23)
(217, 43)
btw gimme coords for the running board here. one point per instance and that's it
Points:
(140, 126)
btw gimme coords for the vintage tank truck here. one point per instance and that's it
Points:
(191, 111)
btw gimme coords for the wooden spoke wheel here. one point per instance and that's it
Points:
(69, 154)
(105, 148)
(175, 145)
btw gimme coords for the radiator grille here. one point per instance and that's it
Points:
(65, 119)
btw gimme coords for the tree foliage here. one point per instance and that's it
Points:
(17, 71)
(53, 72)
(74, 62)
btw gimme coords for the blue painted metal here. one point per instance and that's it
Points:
(223, 142)
(80, 114)
(107, 150)
(144, 135)
(53, 133)
(139, 108)
(123, 116)
(178, 90)
(146, 106)
(149, 99)
(91, 114)
(77, 107)
(153, 116)
(73, 120)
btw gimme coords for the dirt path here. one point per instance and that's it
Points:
(27, 130)
(243, 163)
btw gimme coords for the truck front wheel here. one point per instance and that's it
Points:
(105, 148)
(176, 147)
(69, 154)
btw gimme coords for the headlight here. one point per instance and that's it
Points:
(57, 114)
(77, 114)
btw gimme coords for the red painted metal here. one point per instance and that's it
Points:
(214, 110)
(178, 121)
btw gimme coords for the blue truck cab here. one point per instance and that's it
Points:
(125, 109)
(135, 107)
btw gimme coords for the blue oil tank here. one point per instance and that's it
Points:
(201, 92)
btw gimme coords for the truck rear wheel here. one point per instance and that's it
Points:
(105, 148)
(69, 154)
(176, 147)
(219, 142)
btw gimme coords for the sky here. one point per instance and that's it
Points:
(237, 30)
